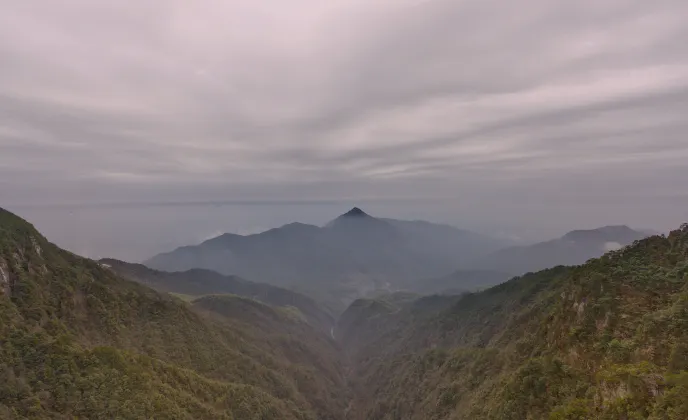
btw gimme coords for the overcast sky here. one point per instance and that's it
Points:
(524, 117)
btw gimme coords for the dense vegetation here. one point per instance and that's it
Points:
(605, 340)
(283, 332)
(198, 282)
(77, 341)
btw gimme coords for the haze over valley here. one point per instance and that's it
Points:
(344, 210)
(357, 255)
(82, 338)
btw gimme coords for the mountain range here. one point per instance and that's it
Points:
(575, 247)
(458, 282)
(358, 255)
(606, 339)
(351, 256)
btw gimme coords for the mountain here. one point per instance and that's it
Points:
(574, 248)
(354, 255)
(458, 282)
(445, 240)
(604, 340)
(280, 329)
(198, 282)
(79, 341)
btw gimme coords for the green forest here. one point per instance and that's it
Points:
(77, 341)
(604, 340)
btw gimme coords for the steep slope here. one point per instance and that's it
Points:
(574, 248)
(605, 340)
(374, 321)
(352, 256)
(283, 331)
(199, 282)
(78, 341)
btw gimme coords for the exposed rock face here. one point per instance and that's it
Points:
(5, 283)
(36, 247)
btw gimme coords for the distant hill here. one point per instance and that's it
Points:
(79, 341)
(574, 248)
(353, 255)
(607, 339)
(458, 282)
(199, 282)
(604, 340)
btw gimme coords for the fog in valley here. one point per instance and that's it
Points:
(344, 209)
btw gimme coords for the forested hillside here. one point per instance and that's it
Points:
(77, 341)
(199, 282)
(605, 340)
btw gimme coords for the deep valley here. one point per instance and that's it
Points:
(606, 340)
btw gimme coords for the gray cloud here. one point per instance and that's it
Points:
(525, 114)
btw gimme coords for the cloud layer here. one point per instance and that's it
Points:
(543, 100)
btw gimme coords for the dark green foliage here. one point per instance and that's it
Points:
(605, 340)
(200, 282)
(314, 366)
(77, 341)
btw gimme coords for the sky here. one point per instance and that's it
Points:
(127, 128)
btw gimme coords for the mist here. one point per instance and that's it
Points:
(523, 120)
(134, 232)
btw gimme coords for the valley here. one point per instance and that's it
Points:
(606, 339)
(358, 255)
(343, 210)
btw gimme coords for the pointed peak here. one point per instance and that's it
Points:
(355, 212)
(354, 215)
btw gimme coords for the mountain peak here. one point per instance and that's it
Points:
(358, 219)
(355, 212)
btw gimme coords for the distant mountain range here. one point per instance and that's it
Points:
(358, 255)
(574, 248)
(351, 256)
(458, 282)
(198, 282)
(607, 339)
